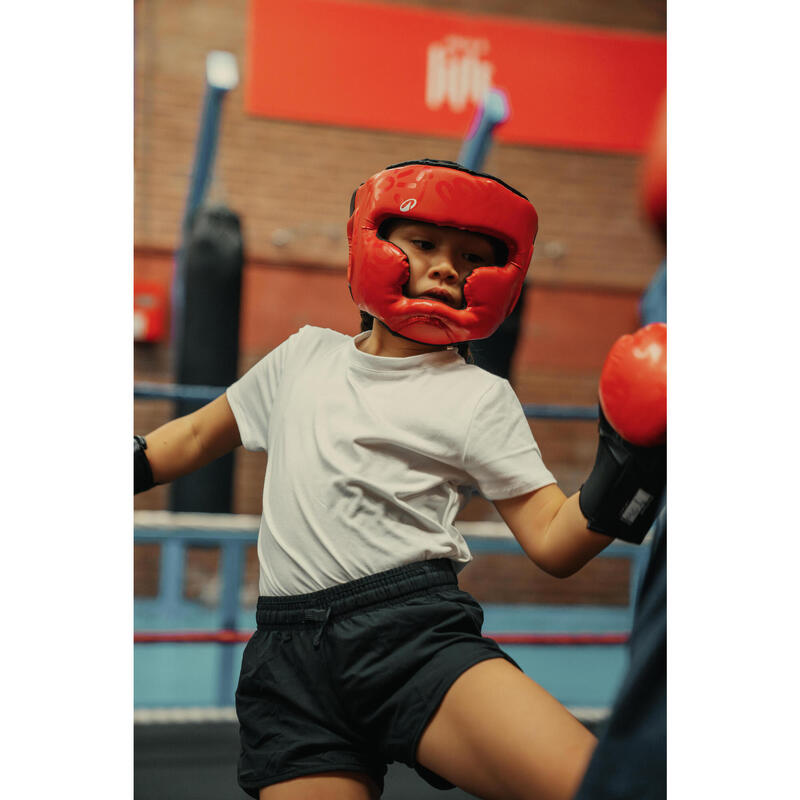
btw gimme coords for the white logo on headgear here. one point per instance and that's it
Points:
(407, 205)
(458, 72)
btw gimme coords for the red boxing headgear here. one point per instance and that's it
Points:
(442, 193)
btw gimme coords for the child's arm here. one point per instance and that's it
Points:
(620, 498)
(188, 443)
(552, 530)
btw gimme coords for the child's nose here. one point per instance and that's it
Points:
(443, 269)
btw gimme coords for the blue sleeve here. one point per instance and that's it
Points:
(631, 755)
(653, 303)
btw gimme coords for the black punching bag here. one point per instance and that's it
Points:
(495, 353)
(207, 341)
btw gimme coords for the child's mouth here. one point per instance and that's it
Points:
(442, 296)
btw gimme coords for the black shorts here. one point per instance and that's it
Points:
(348, 678)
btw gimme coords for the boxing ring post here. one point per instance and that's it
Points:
(232, 570)
(170, 577)
(221, 76)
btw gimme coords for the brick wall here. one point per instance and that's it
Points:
(640, 15)
(286, 176)
(593, 255)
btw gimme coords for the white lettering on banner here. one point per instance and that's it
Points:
(457, 72)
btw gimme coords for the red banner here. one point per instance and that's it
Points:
(413, 70)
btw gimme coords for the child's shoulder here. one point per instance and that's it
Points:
(326, 333)
(311, 334)
(478, 375)
(310, 339)
(473, 381)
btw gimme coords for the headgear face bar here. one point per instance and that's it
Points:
(447, 194)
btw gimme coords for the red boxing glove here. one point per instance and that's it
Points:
(633, 386)
(623, 492)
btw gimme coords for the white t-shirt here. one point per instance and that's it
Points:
(371, 458)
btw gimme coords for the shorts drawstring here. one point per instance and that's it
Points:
(313, 615)
(304, 611)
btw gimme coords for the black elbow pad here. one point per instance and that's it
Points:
(142, 472)
(622, 495)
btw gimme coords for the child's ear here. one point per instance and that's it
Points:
(500, 251)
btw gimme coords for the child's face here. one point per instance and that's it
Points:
(439, 258)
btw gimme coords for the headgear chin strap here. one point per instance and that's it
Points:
(442, 193)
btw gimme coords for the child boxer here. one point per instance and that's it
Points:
(366, 651)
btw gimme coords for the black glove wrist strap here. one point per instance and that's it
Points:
(142, 472)
(622, 495)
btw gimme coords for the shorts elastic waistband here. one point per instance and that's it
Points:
(381, 587)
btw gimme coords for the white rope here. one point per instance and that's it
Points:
(176, 716)
(182, 520)
(168, 716)
(177, 520)
(196, 521)
(589, 714)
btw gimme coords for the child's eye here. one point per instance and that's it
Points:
(474, 258)
(422, 244)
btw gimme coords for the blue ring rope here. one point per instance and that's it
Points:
(173, 391)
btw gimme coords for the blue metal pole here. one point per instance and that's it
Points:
(204, 152)
(170, 581)
(492, 111)
(221, 77)
(231, 568)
